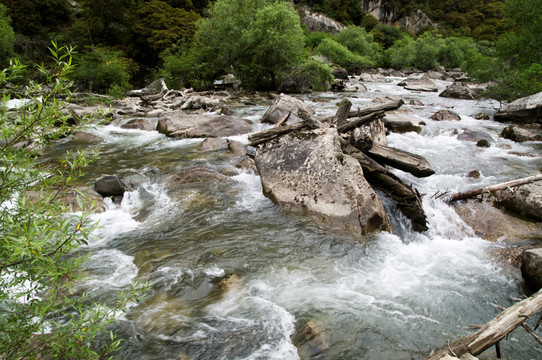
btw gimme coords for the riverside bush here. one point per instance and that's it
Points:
(41, 316)
(358, 41)
(101, 70)
(340, 55)
(311, 75)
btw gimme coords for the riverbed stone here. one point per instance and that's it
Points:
(86, 137)
(109, 185)
(520, 134)
(195, 175)
(525, 200)
(474, 136)
(212, 144)
(526, 110)
(419, 84)
(400, 122)
(141, 124)
(281, 106)
(531, 268)
(307, 173)
(457, 90)
(445, 115)
(492, 223)
(177, 124)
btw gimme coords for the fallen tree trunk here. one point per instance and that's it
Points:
(387, 106)
(269, 134)
(403, 160)
(364, 120)
(491, 188)
(406, 198)
(495, 330)
(342, 112)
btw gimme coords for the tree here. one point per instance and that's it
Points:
(157, 26)
(41, 317)
(7, 36)
(255, 39)
(35, 18)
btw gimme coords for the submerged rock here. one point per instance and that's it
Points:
(445, 115)
(181, 125)
(526, 110)
(531, 268)
(519, 134)
(457, 91)
(281, 106)
(195, 175)
(307, 173)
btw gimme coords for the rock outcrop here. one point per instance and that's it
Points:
(322, 23)
(387, 14)
(307, 172)
(180, 125)
(457, 91)
(531, 268)
(526, 110)
(285, 105)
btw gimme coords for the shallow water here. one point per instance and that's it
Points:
(390, 296)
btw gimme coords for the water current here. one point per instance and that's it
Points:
(234, 277)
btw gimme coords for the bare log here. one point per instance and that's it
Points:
(360, 121)
(309, 120)
(387, 106)
(403, 160)
(495, 330)
(406, 198)
(158, 96)
(361, 139)
(342, 112)
(269, 134)
(283, 119)
(491, 188)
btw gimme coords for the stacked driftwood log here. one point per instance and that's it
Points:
(374, 158)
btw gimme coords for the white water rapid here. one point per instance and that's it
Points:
(234, 277)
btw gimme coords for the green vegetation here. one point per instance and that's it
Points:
(7, 36)
(39, 268)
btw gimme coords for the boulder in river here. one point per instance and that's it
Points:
(445, 115)
(519, 134)
(400, 122)
(141, 124)
(419, 84)
(526, 110)
(307, 172)
(109, 185)
(457, 90)
(85, 137)
(180, 125)
(524, 199)
(531, 268)
(284, 105)
(474, 136)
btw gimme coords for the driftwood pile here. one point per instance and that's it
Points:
(357, 142)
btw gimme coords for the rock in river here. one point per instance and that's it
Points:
(526, 110)
(308, 173)
(181, 125)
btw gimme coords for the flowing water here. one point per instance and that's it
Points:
(234, 277)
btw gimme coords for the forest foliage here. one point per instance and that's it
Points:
(125, 43)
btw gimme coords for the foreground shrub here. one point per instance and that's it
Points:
(311, 75)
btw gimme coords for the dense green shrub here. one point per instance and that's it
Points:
(7, 36)
(101, 69)
(428, 46)
(453, 53)
(310, 75)
(257, 40)
(402, 54)
(357, 40)
(312, 40)
(340, 55)
(387, 35)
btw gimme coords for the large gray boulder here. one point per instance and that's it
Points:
(308, 173)
(457, 91)
(526, 110)
(519, 134)
(180, 125)
(419, 84)
(531, 268)
(322, 23)
(525, 200)
(401, 122)
(281, 106)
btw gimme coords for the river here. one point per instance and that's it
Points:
(390, 296)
